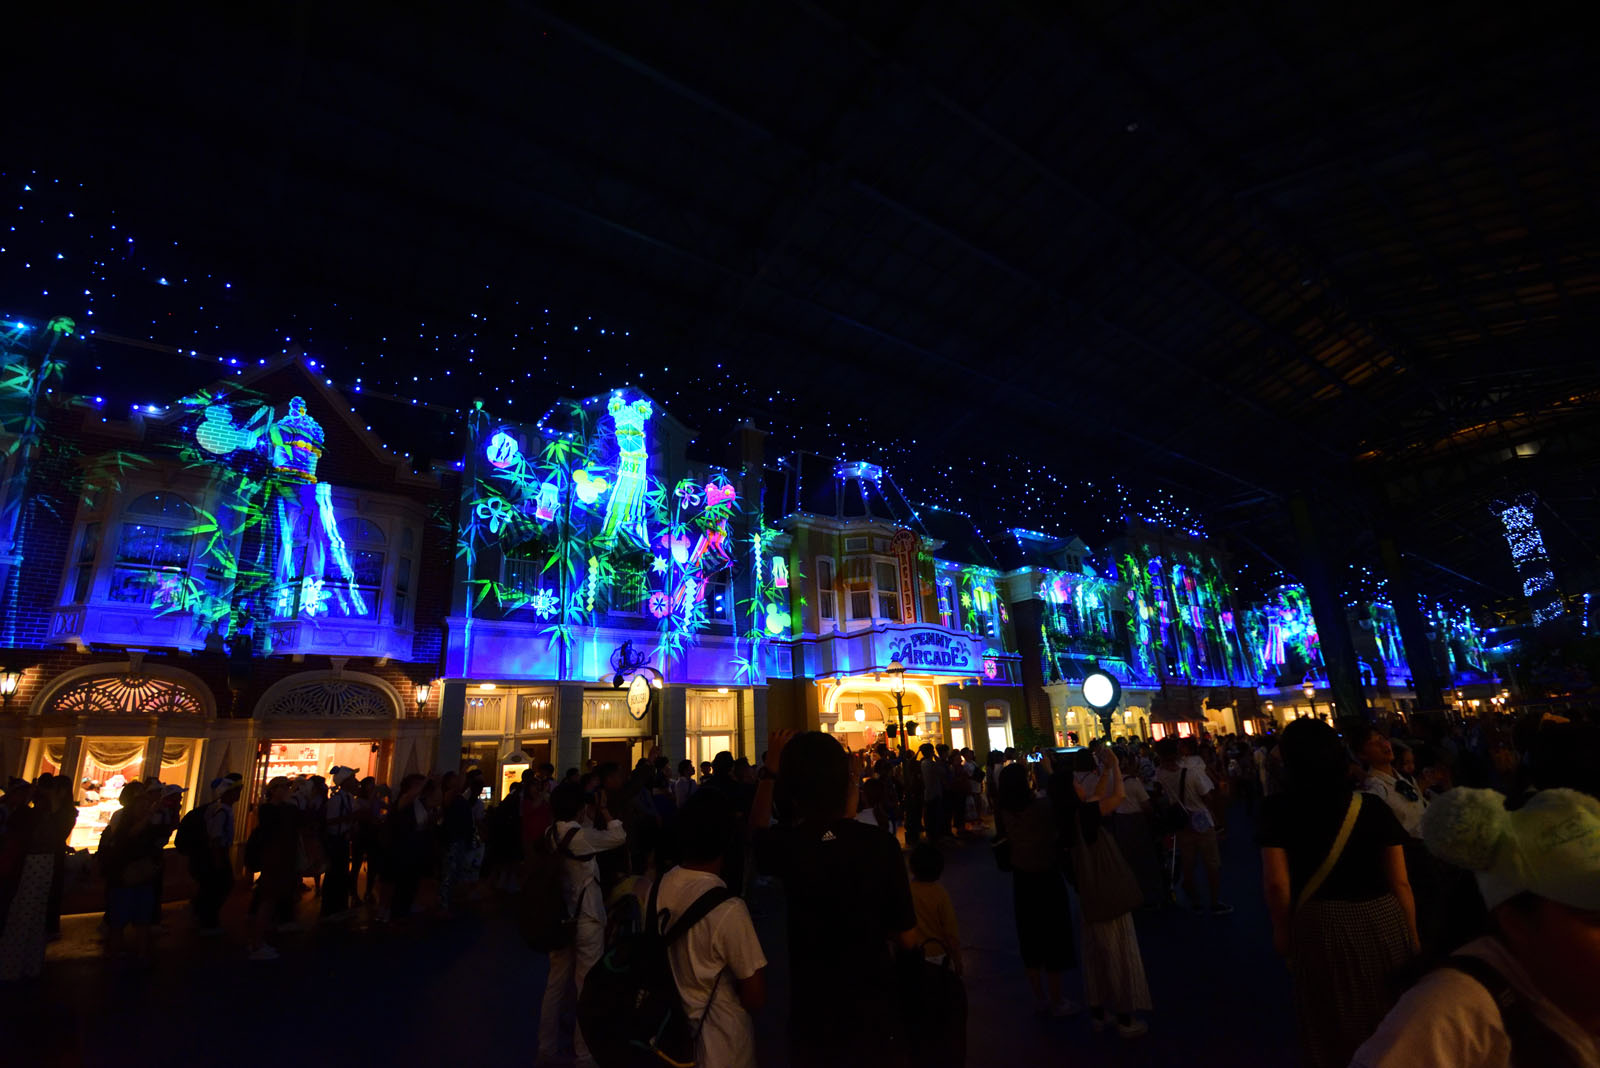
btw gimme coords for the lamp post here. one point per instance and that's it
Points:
(897, 686)
(423, 691)
(1102, 691)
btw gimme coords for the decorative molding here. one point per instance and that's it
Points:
(335, 694)
(131, 688)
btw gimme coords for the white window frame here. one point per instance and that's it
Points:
(831, 591)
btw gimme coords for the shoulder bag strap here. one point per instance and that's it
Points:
(1328, 862)
(1531, 1041)
(564, 847)
(1183, 786)
(694, 913)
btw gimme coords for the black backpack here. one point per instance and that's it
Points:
(546, 924)
(191, 839)
(630, 1010)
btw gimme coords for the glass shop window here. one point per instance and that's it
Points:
(153, 550)
(888, 579)
(825, 594)
(855, 545)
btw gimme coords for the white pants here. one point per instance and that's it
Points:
(568, 969)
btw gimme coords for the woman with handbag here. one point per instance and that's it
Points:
(1108, 892)
(1334, 876)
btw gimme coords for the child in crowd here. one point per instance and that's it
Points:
(936, 915)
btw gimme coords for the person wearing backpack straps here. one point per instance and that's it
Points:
(717, 965)
(210, 861)
(582, 827)
(1527, 994)
(1334, 878)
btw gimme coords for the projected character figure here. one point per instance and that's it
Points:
(625, 511)
(293, 446)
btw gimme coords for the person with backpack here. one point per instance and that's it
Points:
(717, 964)
(582, 828)
(851, 955)
(1527, 993)
(205, 837)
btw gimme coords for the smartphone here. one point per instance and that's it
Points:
(1034, 758)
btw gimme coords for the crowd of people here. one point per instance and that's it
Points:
(1433, 888)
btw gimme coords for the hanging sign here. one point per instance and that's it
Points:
(638, 697)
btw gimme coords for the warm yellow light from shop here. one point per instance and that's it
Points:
(861, 714)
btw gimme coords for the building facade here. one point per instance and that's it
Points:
(242, 580)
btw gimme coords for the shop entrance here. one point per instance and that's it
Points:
(618, 751)
(297, 757)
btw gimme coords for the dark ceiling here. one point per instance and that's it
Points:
(1248, 250)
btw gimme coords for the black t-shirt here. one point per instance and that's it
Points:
(847, 894)
(1305, 827)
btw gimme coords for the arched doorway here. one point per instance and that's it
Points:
(877, 703)
(311, 721)
(105, 725)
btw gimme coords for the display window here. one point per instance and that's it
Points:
(291, 758)
(109, 764)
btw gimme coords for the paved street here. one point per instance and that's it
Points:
(466, 988)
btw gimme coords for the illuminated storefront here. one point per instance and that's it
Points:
(106, 725)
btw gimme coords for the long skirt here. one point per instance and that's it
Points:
(22, 942)
(1113, 971)
(1345, 960)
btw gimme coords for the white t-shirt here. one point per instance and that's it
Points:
(725, 941)
(1196, 784)
(1138, 799)
(1387, 789)
(1449, 1018)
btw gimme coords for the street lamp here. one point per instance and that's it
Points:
(1310, 690)
(897, 686)
(10, 679)
(861, 713)
(423, 691)
(1102, 691)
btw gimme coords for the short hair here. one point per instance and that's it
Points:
(927, 863)
(816, 772)
(686, 768)
(705, 826)
(550, 769)
(566, 801)
(1167, 748)
(722, 763)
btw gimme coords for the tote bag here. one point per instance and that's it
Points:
(1106, 885)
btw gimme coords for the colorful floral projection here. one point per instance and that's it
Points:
(585, 530)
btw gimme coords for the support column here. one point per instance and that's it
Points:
(569, 726)
(674, 722)
(452, 714)
(1426, 680)
(753, 722)
(1333, 628)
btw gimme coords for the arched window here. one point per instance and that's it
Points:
(153, 550)
(364, 543)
